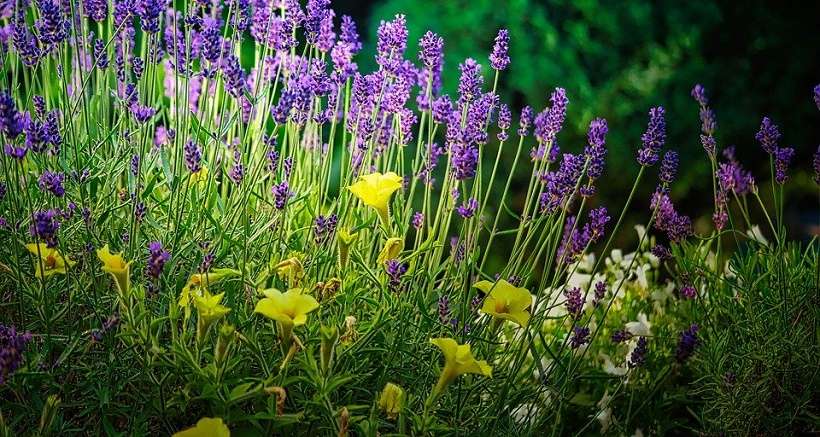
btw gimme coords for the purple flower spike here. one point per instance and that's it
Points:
(44, 225)
(580, 337)
(638, 356)
(687, 342)
(654, 137)
(12, 348)
(52, 182)
(193, 156)
(469, 85)
(281, 194)
(768, 136)
(669, 169)
(468, 209)
(391, 43)
(782, 158)
(157, 257)
(431, 51)
(817, 95)
(418, 220)
(817, 166)
(395, 270)
(550, 121)
(500, 58)
(575, 302)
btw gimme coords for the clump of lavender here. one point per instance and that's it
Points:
(52, 182)
(687, 342)
(654, 137)
(500, 58)
(12, 347)
(638, 356)
(157, 257)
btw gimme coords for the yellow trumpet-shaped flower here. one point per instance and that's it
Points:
(120, 270)
(391, 400)
(391, 250)
(375, 189)
(505, 301)
(458, 360)
(290, 269)
(206, 427)
(288, 309)
(51, 261)
(199, 281)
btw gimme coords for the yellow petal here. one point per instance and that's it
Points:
(448, 346)
(206, 427)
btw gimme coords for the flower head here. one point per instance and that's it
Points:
(687, 342)
(654, 137)
(768, 136)
(50, 262)
(201, 281)
(115, 264)
(500, 57)
(458, 360)
(289, 309)
(209, 309)
(12, 347)
(375, 190)
(206, 427)
(505, 301)
(391, 400)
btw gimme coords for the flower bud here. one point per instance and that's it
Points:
(391, 400)
(330, 336)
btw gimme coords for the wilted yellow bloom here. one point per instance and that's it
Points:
(115, 264)
(391, 400)
(206, 427)
(51, 261)
(505, 301)
(288, 309)
(290, 269)
(375, 189)
(391, 250)
(458, 360)
(199, 281)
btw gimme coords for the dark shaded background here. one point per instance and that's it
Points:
(617, 59)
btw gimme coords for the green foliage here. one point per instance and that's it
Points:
(757, 370)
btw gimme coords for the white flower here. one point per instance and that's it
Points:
(641, 327)
(640, 273)
(604, 416)
(611, 369)
(755, 234)
(525, 414)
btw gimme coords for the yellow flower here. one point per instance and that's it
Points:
(391, 250)
(206, 427)
(288, 309)
(290, 269)
(458, 360)
(203, 280)
(391, 400)
(200, 177)
(51, 261)
(375, 189)
(120, 270)
(505, 301)
(209, 308)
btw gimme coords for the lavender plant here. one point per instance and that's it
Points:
(215, 222)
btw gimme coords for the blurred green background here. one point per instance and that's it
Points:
(617, 59)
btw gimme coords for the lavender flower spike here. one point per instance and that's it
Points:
(654, 137)
(500, 58)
